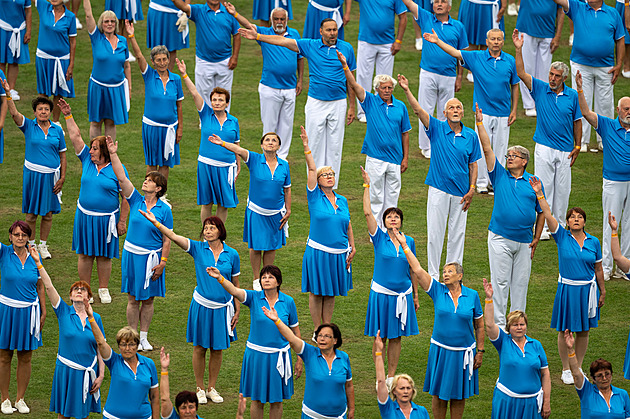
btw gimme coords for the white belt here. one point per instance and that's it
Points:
(592, 292)
(217, 163)
(179, 13)
(152, 261)
(35, 312)
(284, 3)
(269, 213)
(538, 395)
(110, 416)
(318, 246)
(111, 228)
(284, 358)
(89, 373)
(125, 83)
(131, 4)
(59, 76)
(46, 170)
(15, 43)
(169, 143)
(495, 10)
(313, 414)
(401, 300)
(336, 14)
(213, 305)
(469, 357)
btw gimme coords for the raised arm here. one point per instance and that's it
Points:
(282, 41)
(73, 129)
(449, 49)
(181, 241)
(352, 82)
(412, 7)
(563, 3)
(517, 39)
(622, 262)
(52, 293)
(103, 347)
(569, 341)
(295, 342)
(234, 148)
(537, 186)
(183, 6)
(415, 106)
(131, 38)
(372, 224)
(311, 182)
(238, 293)
(242, 20)
(492, 330)
(17, 116)
(165, 393)
(591, 117)
(90, 23)
(125, 184)
(379, 366)
(4, 107)
(424, 279)
(181, 66)
(484, 139)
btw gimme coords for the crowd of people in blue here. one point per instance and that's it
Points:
(463, 161)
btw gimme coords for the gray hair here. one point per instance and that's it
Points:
(160, 49)
(450, 2)
(383, 78)
(495, 30)
(559, 65)
(278, 9)
(620, 99)
(103, 16)
(522, 151)
(458, 267)
(446, 104)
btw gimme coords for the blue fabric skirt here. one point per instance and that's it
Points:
(89, 236)
(45, 70)
(118, 7)
(66, 396)
(626, 362)
(213, 186)
(132, 279)
(1, 146)
(313, 21)
(261, 381)
(161, 30)
(107, 103)
(621, 10)
(381, 315)
(425, 4)
(37, 193)
(504, 406)
(446, 377)
(15, 329)
(570, 309)
(325, 273)
(208, 328)
(262, 9)
(477, 20)
(153, 139)
(6, 56)
(261, 232)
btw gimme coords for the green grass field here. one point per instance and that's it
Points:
(169, 323)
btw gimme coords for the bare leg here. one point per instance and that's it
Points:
(264, 23)
(56, 110)
(439, 407)
(328, 305)
(457, 408)
(255, 257)
(206, 211)
(417, 29)
(23, 372)
(133, 311)
(5, 372)
(393, 354)
(75, 7)
(315, 303)
(256, 410)
(151, 169)
(95, 129)
(146, 314)
(164, 171)
(214, 365)
(626, 60)
(12, 75)
(110, 128)
(171, 63)
(221, 213)
(31, 220)
(45, 226)
(85, 268)
(581, 344)
(268, 257)
(275, 410)
(104, 270)
(199, 364)
(562, 350)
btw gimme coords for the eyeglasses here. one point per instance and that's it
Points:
(20, 234)
(127, 345)
(325, 336)
(601, 375)
(327, 175)
(82, 289)
(512, 156)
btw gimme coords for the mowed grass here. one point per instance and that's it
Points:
(169, 324)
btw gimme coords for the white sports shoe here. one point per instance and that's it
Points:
(79, 25)
(145, 345)
(530, 112)
(6, 407)
(214, 395)
(511, 11)
(571, 39)
(103, 294)
(43, 250)
(22, 407)
(567, 377)
(362, 118)
(256, 285)
(201, 396)
(545, 235)
(419, 42)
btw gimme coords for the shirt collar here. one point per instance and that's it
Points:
(564, 89)
(52, 10)
(170, 75)
(490, 57)
(435, 19)
(222, 9)
(280, 297)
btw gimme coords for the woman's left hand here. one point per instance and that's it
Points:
(97, 384)
(121, 227)
(284, 219)
(487, 287)
(298, 368)
(478, 360)
(602, 297)
(350, 257)
(157, 270)
(58, 186)
(234, 320)
(546, 410)
(178, 135)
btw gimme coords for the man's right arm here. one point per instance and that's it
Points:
(526, 78)
(242, 20)
(281, 41)
(449, 49)
(181, 5)
(564, 4)
(589, 115)
(412, 7)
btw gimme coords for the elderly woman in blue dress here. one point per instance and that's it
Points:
(22, 313)
(213, 313)
(265, 227)
(79, 369)
(168, 26)
(524, 386)
(217, 167)
(162, 126)
(267, 372)
(109, 89)
(577, 303)
(326, 266)
(15, 34)
(457, 343)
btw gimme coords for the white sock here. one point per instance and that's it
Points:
(42, 242)
(31, 243)
(143, 335)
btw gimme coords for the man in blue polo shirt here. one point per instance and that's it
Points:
(386, 142)
(278, 85)
(440, 75)
(558, 131)
(598, 32)
(216, 47)
(451, 178)
(377, 44)
(326, 104)
(615, 135)
(496, 91)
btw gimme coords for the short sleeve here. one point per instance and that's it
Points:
(462, 39)
(477, 311)
(293, 317)
(113, 358)
(26, 123)
(349, 369)
(433, 125)
(72, 29)
(513, 76)
(626, 402)
(495, 172)
(168, 217)
(193, 248)
(475, 155)
(304, 46)
(180, 89)
(287, 179)
(406, 124)
(307, 351)
(498, 342)
(577, 113)
(412, 244)
(62, 142)
(2, 77)
(468, 60)
(434, 288)
(542, 355)
(249, 297)
(620, 32)
(238, 131)
(399, 7)
(153, 370)
(235, 25)
(377, 237)
(84, 155)
(194, 11)
(350, 58)
(99, 323)
(236, 264)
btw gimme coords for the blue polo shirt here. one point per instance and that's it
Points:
(616, 141)
(556, 115)
(593, 405)
(434, 59)
(262, 330)
(451, 154)
(595, 33)
(494, 78)
(279, 63)
(575, 262)
(391, 410)
(378, 20)
(214, 32)
(228, 131)
(515, 205)
(391, 269)
(537, 18)
(54, 36)
(228, 263)
(108, 65)
(327, 80)
(160, 103)
(40, 148)
(385, 126)
(267, 189)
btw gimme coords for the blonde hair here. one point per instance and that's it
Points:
(103, 16)
(395, 384)
(324, 169)
(513, 317)
(127, 334)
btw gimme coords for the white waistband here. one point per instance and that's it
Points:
(313, 414)
(89, 373)
(59, 76)
(284, 358)
(35, 312)
(111, 229)
(169, 143)
(213, 305)
(336, 12)
(269, 213)
(401, 300)
(152, 261)
(469, 356)
(124, 83)
(131, 7)
(276, 4)
(179, 13)
(15, 42)
(538, 395)
(592, 292)
(108, 415)
(495, 10)
(46, 170)
(217, 163)
(319, 246)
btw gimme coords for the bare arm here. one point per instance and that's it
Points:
(236, 48)
(125, 184)
(626, 14)
(545, 379)
(178, 240)
(17, 116)
(28, 18)
(622, 262)
(63, 167)
(485, 139)
(412, 7)
(379, 366)
(238, 293)
(352, 246)
(424, 279)
(270, 39)
(449, 49)
(552, 223)
(577, 139)
(480, 335)
(181, 66)
(350, 398)
(165, 392)
(234, 148)
(73, 129)
(311, 182)
(564, 4)
(591, 117)
(4, 107)
(300, 79)
(287, 206)
(180, 122)
(472, 178)
(242, 20)
(492, 330)
(415, 106)
(599, 277)
(52, 293)
(404, 164)
(538, 228)
(367, 206)
(142, 62)
(512, 117)
(620, 46)
(569, 341)
(295, 342)
(154, 398)
(103, 347)
(73, 49)
(359, 91)
(526, 78)
(352, 104)
(90, 23)
(183, 6)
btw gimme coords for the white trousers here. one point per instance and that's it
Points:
(553, 168)
(615, 198)
(598, 91)
(440, 207)
(510, 267)
(434, 90)
(385, 182)
(537, 60)
(370, 56)
(277, 108)
(325, 124)
(210, 75)
(499, 133)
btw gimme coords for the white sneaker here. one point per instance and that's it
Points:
(22, 407)
(482, 189)
(14, 94)
(607, 275)
(625, 74)
(600, 146)
(571, 39)
(362, 118)
(511, 11)
(567, 377)
(103, 294)
(6, 407)
(419, 44)
(583, 148)
(545, 235)
(91, 300)
(426, 153)
(389, 381)
(256, 285)
(214, 395)
(620, 274)
(314, 338)
(145, 345)
(43, 250)
(470, 77)
(201, 396)
(79, 25)
(530, 112)
(594, 150)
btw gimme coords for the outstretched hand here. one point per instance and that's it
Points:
(303, 136)
(536, 184)
(215, 139)
(487, 287)
(612, 221)
(578, 80)
(213, 272)
(478, 113)
(517, 39)
(65, 107)
(129, 28)
(271, 314)
(366, 176)
(250, 33)
(378, 343)
(181, 65)
(569, 340)
(431, 37)
(148, 215)
(165, 359)
(229, 7)
(403, 82)
(112, 146)
(342, 59)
